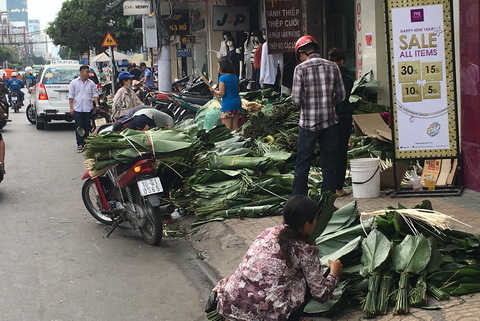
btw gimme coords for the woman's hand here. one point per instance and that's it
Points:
(336, 267)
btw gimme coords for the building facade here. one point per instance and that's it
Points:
(357, 26)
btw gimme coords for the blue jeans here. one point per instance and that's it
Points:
(82, 120)
(307, 140)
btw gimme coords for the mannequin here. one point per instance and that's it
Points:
(223, 45)
(248, 48)
(257, 57)
(235, 55)
(268, 68)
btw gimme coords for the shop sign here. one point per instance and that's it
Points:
(423, 79)
(184, 52)
(180, 22)
(188, 39)
(150, 38)
(231, 18)
(136, 7)
(285, 24)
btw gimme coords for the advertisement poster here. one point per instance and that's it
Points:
(423, 80)
(285, 24)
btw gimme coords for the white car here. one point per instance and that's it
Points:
(49, 98)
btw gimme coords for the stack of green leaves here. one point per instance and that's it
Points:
(375, 251)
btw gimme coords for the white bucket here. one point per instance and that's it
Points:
(365, 177)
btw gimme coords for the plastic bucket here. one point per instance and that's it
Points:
(365, 177)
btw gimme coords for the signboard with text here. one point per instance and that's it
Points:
(285, 24)
(180, 23)
(231, 18)
(136, 7)
(423, 79)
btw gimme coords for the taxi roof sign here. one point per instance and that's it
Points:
(109, 41)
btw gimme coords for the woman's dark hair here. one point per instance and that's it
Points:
(298, 210)
(232, 40)
(227, 33)
(226, 66)
(336, 55)
(259, 35)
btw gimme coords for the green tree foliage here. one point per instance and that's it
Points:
(66, 53)
(82, 25)
(6, 54)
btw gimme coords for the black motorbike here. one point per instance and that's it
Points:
(16, 101)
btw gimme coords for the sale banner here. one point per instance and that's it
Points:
(423, 79)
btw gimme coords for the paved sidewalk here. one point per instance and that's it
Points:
(223, 244)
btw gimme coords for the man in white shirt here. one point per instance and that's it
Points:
(81, 94)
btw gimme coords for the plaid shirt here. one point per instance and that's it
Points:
(317, 87)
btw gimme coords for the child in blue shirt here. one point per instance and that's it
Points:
(228, 89)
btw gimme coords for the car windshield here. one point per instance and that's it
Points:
(63, 75)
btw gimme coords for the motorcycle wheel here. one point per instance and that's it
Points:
(16, 107)
(30, 112)
(152, 231)
(91, 200)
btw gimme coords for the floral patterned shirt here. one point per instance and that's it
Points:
(264, 288)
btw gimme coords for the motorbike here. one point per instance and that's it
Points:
(16, 102)
(128, 193)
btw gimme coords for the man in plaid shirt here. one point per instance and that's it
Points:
(317, 87)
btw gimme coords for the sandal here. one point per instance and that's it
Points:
(343, 192)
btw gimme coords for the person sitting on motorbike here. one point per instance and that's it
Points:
(125, 97)
(30, 80)
(15, 85)
(2, 157)
(147, 80)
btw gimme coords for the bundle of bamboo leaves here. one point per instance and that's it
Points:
(405, 254)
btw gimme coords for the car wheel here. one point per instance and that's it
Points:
(31, 116)
(41, 123)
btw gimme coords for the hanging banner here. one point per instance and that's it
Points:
(285, 24)
(423, 78)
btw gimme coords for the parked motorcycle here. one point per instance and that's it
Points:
(128, 193)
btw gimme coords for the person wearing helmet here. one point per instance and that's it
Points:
(137, 73)
(125, 97)
(317, 87)
(15, 85)
(30, 79)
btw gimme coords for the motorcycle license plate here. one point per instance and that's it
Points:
(14, 98)
(150, 186)
(100, 121)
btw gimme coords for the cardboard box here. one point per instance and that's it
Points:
(371, 125)
(386, 176)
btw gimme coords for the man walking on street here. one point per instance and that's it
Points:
(147, 79)
(81, 94)
(317, 87)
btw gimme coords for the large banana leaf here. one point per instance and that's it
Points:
(412, 254)
(348, 248)
(313, 306)
(375, 250)
(330, 243)
(324, 216)
(343, 217)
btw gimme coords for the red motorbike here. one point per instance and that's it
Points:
(128, 193)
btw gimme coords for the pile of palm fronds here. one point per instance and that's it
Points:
(395, 259)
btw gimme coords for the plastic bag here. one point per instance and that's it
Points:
(415, 181)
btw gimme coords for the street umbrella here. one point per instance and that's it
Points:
(104, 57)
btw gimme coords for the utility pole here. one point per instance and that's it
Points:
(164, 69)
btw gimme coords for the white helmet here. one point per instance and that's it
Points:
(14, 74)
(28, 68)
